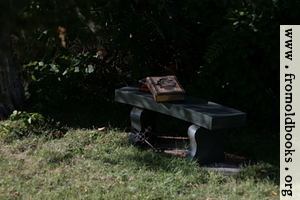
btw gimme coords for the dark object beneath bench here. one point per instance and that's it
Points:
(209, 120)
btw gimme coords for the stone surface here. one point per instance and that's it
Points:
(206, 134)
(200, 112)
(222, 168)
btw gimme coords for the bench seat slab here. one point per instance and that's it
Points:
(209, 121)
(200, 112)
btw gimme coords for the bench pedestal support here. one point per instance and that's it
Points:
(206, 146)
(141, 121)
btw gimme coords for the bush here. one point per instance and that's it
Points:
(22, 124)
(221, 51)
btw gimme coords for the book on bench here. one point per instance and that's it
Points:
(165, 88)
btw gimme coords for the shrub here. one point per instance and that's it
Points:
(23, 124)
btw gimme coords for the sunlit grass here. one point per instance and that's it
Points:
(93, 164)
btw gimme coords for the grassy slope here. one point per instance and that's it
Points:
(92, 164)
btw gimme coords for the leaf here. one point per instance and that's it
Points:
(54, 68)
(33, 77)
(29, 120)
(75, 62)
(15, 193)
(216, 49)
(76, 70)
(65, 72)
(85, 189)
(274, 194)
(101, 129)
(152, 28)
(32, 63)
(89, 69)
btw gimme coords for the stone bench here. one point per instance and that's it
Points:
(209, 121)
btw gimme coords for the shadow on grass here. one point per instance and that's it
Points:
(160, 162)
(261, 151)
(154, 161)
(255, 144)
(261, 147)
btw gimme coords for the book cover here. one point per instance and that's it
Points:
(165, 88)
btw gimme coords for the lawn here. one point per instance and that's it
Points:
(100, 164)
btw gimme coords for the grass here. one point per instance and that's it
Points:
(100, 164)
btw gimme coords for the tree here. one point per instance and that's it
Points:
(11, 90)
(224, 51)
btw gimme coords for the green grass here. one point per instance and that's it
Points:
(92, 164)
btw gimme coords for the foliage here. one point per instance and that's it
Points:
(224, 51)
(240, 60)
(22, 124)
(113, 44)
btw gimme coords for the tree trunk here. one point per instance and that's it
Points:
(12, 96)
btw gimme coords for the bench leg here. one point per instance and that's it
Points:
(206, 146)
(141, 120)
